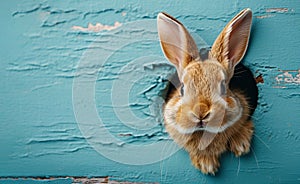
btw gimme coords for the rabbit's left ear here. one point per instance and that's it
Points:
(231, 45)
(176, 42)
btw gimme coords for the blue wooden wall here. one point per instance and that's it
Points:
(84, 100)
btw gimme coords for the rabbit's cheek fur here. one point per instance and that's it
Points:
(231, 102)
(234, 112)
(224, 114)
(182, 118)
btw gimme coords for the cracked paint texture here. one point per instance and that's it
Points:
(39, 56)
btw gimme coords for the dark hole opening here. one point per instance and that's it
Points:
(243, 80)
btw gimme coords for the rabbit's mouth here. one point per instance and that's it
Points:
(201, 124)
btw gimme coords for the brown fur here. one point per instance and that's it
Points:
(236, 138)
(205, 121)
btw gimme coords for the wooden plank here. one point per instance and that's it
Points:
(42, 45)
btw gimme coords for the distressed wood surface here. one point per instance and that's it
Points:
(44, 43)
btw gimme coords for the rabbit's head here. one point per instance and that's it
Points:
(204, 100)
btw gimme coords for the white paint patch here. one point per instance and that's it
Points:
(288, 77)
(97, 27)
(277, 10)
(265, 16)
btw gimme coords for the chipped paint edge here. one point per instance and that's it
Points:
(69, 180)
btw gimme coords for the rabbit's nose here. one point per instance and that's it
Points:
(201, 110)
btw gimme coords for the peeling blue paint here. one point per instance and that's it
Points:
(39, 58)
(36, 181)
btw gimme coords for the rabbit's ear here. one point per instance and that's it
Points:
(176, 43)
(231, 45)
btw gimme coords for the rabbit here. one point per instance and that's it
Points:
(203, 115)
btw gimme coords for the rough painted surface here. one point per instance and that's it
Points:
(43, 44)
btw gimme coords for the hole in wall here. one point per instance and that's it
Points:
(243, 80)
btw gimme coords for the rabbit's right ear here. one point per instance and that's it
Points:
(231, 45)
(176, 43)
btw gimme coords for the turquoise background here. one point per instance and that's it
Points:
(40, 63)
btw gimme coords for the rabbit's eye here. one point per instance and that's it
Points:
(222, 87)
(182, 90)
